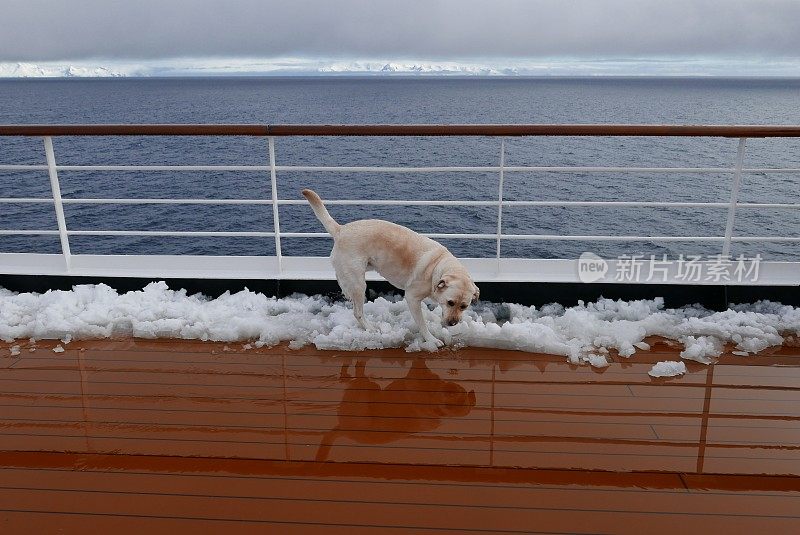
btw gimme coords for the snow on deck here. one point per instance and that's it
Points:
(584, 333)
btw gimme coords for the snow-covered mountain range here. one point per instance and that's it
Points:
(299, 66)
(32, 70)
(218, 66)
(416, 68)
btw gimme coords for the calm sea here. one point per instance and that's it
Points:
(402, 100)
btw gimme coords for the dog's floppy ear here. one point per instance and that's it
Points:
(476, 295)
(443, 283)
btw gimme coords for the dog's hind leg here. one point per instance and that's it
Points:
(354, 287)
(358, 308)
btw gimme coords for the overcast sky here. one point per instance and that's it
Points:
(126, 30)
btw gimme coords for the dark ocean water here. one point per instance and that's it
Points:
(405, 100)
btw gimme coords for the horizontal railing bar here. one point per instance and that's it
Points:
(579, 169)
(533, 237)
(162, 167)
(530, 168)
(139, 233)
(764, 205)
(263, 202)
(770, 170)
(168, 233)
(26, 200)
(167, 201)
(664, 204)
(430, 235)
(756, 239)
(23, 167)
(353, 169)
(378, 169)
(387, 202)
(400, 130)
(371, 169)
(391, 202)
(4, 232)
(518, 168)
(557, 237)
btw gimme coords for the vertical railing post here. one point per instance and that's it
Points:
(275, 217)
(737, 181)
(500, 197)
(59, 206)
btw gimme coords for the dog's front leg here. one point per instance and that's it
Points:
(415, 306)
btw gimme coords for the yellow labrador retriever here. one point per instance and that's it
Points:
(409, 261)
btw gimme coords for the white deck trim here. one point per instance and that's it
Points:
(318, 268)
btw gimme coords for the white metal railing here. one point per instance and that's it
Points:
(732, 206)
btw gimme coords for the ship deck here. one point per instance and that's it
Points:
(165, 436)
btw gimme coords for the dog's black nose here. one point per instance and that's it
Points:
(452, 322)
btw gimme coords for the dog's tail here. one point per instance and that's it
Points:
(321, 212)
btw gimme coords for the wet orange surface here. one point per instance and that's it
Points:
(179, 436)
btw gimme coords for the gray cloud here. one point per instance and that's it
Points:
(53, 30)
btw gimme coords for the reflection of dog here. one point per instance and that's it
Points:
(409, 261)
(416, 403)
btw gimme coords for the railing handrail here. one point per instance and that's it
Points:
(263, 130)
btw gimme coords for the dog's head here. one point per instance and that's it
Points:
(454, 293)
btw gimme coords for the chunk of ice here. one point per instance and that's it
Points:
(597, 361)
(702, 349)
(667, 369)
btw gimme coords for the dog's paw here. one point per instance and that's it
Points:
(433, 343)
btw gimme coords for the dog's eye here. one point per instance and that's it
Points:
(451, 303)
(463, 307)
